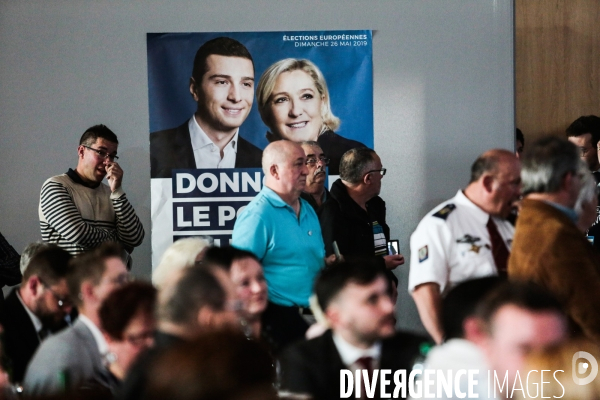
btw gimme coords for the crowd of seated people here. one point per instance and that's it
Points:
(505, 277)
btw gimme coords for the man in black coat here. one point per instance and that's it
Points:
(355, 297)
(222, 84)
(354, 215)
(37, 308)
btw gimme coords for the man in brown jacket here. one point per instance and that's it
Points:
(548, 248)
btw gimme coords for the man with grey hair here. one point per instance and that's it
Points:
(283, 231)
(548, 247)
(465, 237)
(354, 215)
(30, 250)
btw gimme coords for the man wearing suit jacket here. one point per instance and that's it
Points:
(548, 247)
(222, 84)
(37, 308)
(355, 297)
(77, 352)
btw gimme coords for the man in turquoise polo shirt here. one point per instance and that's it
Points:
(283, 231)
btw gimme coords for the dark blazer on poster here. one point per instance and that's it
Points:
(172, 149)
(314, 366)
(20, 337)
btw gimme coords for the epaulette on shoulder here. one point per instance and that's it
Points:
(445, 211)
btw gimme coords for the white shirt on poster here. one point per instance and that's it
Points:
(206, 153)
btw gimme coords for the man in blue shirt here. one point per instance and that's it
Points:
(283, 231)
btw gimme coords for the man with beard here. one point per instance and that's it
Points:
(37, 308)
(316, 162)
(355, 297)
(74, 357)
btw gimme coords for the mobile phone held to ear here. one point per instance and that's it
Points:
(336, 251)
(393, 247)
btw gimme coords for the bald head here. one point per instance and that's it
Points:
(489, 162)
(284, 165)
(495, 182)
(276, 153)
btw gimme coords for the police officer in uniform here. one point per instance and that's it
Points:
(465, 237)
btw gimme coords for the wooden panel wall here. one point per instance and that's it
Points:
(557, 57)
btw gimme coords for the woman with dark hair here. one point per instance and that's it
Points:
(127, 322)
(293, 101)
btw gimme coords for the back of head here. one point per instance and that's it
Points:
(123, 304)
(489, 162)
(334, 278)
(221, 46)
(546, 162)
(180, 254)
(588, 192)
(30, 251)
(225, 256)
(355, 163)
(220, 365)
(524, 295)
(92, 134)
(50, 264)
(90, 267)
(586, 124)
(461, 302)
(197, 287)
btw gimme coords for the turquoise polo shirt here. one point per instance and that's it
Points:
(290, 249)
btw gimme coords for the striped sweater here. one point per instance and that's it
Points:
(78, 218)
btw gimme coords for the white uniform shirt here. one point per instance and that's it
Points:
(451, 244)
(206, 153)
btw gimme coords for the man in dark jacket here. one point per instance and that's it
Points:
(37, 308)
(354, 215)
(355, 297)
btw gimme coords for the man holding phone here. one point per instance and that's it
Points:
(354, 214)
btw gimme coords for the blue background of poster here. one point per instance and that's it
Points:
(348, 71)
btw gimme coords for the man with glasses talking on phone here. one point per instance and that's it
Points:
(78, 212)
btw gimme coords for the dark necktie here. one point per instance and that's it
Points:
(499, 250)
(365, 363)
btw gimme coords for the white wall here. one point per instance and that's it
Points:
(443, 89)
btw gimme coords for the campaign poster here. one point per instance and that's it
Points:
(211, 117)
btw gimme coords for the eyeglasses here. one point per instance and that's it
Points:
(312, 161)
(381, 171)
(121, 279)
(102, 153)
(584, 150)
(62, 302)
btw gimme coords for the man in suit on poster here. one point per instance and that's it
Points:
(222, 84)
